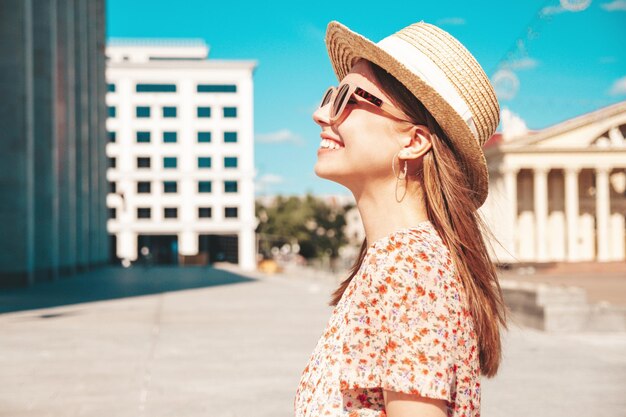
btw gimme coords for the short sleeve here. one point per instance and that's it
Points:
(398, 330)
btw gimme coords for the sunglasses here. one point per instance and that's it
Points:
(339, 96)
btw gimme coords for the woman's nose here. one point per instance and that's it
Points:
(322, 115)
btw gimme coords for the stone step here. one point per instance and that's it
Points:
(559, 308)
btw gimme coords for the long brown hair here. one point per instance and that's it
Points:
(448, 201)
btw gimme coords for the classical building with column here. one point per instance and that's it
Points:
(558, 194)
(181, 154)
(53, 163)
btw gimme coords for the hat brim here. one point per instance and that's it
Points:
(345, 47)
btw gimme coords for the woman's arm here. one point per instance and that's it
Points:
(399, 404)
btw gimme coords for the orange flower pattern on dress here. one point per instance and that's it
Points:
(403, 325)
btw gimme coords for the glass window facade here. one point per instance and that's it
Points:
(170, 137)
(230, 111)
(230, 162)
(143, 137)
(155, 88)
(204, 112)
(230, 212)
(111, 88)
(216, 88)
(204, 212)
(142, 112)
(170, 162)
(143, 162)
(230, 137)
(111, 111)
(204, 137)
(170, 186)
(144, 212)
(170, 212)
(204, 186)
(169, 111)
(112, 136)
(230, 186)
(143, 187)
(204, 162)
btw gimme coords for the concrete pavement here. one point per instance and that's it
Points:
(218, 342)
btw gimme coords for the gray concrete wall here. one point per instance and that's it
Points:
(53, 165)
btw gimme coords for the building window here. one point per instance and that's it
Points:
(216, 88)
(230, 137)
(169, 162)
(143, 162)
(112, 136)
(230, 212)
(230, 186)
(230, 162)
(111, 88)
(204, 137)
(170, 212)
(112, 162)
(155, 88)
(204, 112)
(230, 111)
(112, 213)
(111, 110)
(170, 186)
(143, 212)
(204, 162)
(169, 137)
(143, 137)
(142, 111)
(204, 212)
(169, 111)
(143, 187)
(113, 187)
(204, 186)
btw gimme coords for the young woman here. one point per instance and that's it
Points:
(418, 320)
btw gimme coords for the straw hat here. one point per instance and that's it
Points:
(442, 74)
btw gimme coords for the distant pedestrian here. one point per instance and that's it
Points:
(418, 319)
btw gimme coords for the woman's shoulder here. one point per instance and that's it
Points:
(412, 256)
(420, 244)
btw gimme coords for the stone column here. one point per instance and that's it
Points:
(540, 188)
(510, 185)
(602, 213)
(571, 212)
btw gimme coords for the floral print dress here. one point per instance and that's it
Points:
(402, 324)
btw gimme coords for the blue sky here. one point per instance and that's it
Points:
(566, 63)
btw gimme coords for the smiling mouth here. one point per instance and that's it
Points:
(330, 144)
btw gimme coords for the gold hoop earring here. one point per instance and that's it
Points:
(405, 170)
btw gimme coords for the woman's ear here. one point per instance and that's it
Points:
(420, 143)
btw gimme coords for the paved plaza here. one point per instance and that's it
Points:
(203, 341)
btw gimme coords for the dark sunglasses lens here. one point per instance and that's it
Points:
(339, 101)
(327, 97)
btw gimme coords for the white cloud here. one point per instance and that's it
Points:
(265, 183)
(280, 136)
(271, 179)
(618, 87)
(614, 6)
(451, 21)
(522, 64)
(607, 59)
(550, 10)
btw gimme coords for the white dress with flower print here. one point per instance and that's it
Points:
(403, 325)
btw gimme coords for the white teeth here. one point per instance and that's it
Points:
(327, 143)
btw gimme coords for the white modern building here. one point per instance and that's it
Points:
(558, 194)
(181, 153)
